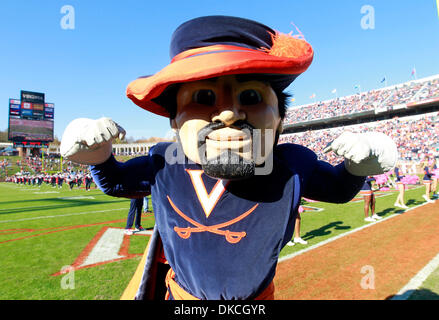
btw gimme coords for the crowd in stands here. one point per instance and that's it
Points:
(51, 163)
(3, 164)
(416, 137)
(414, 91)
(35, 171)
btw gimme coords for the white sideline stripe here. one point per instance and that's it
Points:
(61, 215)
(295, 254)
(417, 280)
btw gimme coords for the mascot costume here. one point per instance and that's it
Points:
(225, 195)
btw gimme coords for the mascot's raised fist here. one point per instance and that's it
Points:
(365, 154)
(88, 141)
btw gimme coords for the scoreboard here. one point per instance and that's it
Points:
(31, 120)
(31, 106)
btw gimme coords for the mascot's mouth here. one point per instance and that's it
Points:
(229, 134)
(218, 131)
(226, 151)
(229, 139)
(216, 138)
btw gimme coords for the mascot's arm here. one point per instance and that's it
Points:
(332, 183)
(88, 141)
(365, 154)
(320, 180)
(129, 179)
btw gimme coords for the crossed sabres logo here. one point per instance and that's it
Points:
(231, 236)
(208, 201)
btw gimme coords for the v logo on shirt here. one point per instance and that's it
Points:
(208, 201)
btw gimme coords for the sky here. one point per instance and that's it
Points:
(84, 69)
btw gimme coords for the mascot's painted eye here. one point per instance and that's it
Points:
(249, 97)
(204, 96)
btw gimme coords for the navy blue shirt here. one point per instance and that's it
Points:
(223, 238)
(398, 176)
(367, 185)
(427, 174)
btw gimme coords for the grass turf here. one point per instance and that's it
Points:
(335, 219)
(44, 229)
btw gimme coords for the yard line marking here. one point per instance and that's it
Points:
(60, 229)
(383, 194)
(46, 192)
(416, 282)
(107, 247)
(61, 215)
(77, 198)
(43, 206)
(292, 255)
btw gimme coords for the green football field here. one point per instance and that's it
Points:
(43, 230)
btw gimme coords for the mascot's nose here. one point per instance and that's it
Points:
(229, 116)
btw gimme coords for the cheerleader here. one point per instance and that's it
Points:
(297, 238)
(401, 187)
(435, 177)
(427, 183)
(369, 200)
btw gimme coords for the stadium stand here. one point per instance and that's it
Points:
(407, 112)
(416, 137)
(414, 97)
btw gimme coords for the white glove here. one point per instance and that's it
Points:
(365, 154)
(88, 141)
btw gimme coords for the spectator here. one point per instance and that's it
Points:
(427, 180)
(401, 188)
(135, 212)
(146, 205)
(369, 201)
(297, 238)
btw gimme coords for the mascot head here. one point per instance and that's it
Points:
(223, 91)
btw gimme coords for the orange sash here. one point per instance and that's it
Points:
(180, 294)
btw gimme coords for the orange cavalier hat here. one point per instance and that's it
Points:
(213, 46)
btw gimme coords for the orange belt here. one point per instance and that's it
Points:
(180, 294)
